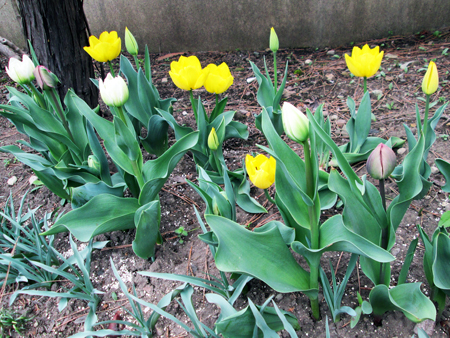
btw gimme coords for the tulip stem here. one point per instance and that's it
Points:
(217, 161)
(138, 174)
(38, 96)
(136, 61)
(57, 106)
(384, 231)
(275, 79)
(112, 69)
(425, 119)
(314, 227)
(365, 84)
(121, 115)
(270, 199)
(194, 108)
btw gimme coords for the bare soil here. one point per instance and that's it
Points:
(323, 79)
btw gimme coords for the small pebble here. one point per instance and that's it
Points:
(434, 170)
(251, 79)
(330, 77)
(184, 113)
(32, 179)
(308, 62)
(401, 151)
(341, 123)
(333, 117)
(164, 80)
(12, 180)
(330, 52)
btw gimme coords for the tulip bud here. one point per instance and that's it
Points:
(215, 207)
(431, 79)
(113, 90)
(295, 123)
(273, 42)
(21, 71)
(381, 162)
(131, 43)
(45, 78)
(94, 164)
(213, 140)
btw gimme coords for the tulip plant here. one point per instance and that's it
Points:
(269, 94)
(62, 137)
(436, 261)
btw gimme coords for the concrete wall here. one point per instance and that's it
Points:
(202, 25)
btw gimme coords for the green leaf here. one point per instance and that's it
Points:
(103, 213)
(147, 219)
(406, 298)
(335, 236)
(156, 172)
(408, 260)
(244, 251)
(362, 122)
(82, 194)
(156, 140)
(441, 260)
(444, 168)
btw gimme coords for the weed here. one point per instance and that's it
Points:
(181, 233)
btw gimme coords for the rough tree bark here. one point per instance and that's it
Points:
(58, 31)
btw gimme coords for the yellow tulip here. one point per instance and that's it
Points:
(431, 79)
(261, 170)
(187, 73)
(219, 78)
(364, 62)
(106, 48)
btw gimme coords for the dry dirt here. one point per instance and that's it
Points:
(325, 80)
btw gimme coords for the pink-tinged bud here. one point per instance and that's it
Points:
(381, 162)
(45, 78)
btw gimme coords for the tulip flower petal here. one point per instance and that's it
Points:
(261, 170)
(364, 62)
(104, 49)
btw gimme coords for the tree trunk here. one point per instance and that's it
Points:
(58, 31)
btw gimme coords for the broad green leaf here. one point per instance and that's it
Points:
(241, 324)
(444, 168)
(406, 298)
(363, 121)
(334, 236)
(441, 260)
(156, 140)
(244, 251)
(147, 219)
(82, 194)
(103, 213)
(408, 260)
(156, 172)
(134, 106)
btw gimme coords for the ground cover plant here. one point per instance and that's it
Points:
(311, 79)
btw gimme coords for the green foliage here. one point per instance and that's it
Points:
(333, 295)
(358, 128)
(436, 261)
(10, 320)
(21, 246)
(79, 277)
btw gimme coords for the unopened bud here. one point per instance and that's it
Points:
(381, 162)
(273, 42)
(45, 78)
(213, 140)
